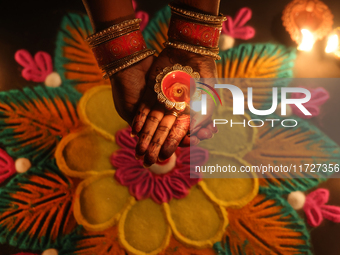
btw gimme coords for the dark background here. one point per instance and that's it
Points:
(33, 25)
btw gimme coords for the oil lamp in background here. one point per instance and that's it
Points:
(333, 43)
(307, 21)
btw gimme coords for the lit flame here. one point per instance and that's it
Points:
(332, 43)
(307, 42)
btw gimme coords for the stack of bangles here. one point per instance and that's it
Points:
(194, 32)
(119, 46)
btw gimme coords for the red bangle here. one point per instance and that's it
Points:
(193, 33)
(119, 48)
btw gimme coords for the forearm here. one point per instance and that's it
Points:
(105, 13)
(205, 6)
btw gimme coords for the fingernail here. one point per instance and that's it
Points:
(194, 141)
(193, 121)
(195, 130)
(214, 129)
(137, 127)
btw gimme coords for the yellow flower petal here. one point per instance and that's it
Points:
(226, 190)
(143, 229)
(100, 201)
(84, 154)
(196, 220)
(236, 140)
(97, 109)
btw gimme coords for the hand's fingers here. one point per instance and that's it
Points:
(198, 120)
(148, 100)
(185, 141)
(149, 128)
(207, 132)
(139, 119)
(204, 133)
(143, 110)
(163, 129)
(211, 127)
(177, 133)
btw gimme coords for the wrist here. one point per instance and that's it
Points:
(207, 7)
(99, 25)
(104, 13)
(119, 46)
(195, 32)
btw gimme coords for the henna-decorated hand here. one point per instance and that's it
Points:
(128, 87)
(160, 134)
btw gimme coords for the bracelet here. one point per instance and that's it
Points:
(115, 28)
(194, 49)
(121, 61)
(97, 41)
(128, 62)
(193, 33)
(119, 46)
(210, 19)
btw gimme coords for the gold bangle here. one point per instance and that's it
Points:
(97, 41)
(120, 62)
(114, 28)
(213, 50)
(199, 16)
(128, 62)
(194, 49)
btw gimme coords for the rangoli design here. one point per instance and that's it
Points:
(85, 193)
